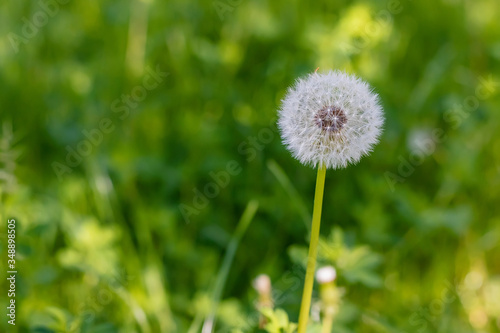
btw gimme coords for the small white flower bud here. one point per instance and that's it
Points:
(262, 284)
(326, 274)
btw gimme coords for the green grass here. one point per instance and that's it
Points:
(106, 248)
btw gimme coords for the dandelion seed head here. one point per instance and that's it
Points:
(331, 119)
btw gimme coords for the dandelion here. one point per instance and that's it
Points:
(327, 121)
(330, 119)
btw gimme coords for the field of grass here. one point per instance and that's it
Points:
(140, 159)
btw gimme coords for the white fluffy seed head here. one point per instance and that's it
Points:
(330, 119)
(326, 274)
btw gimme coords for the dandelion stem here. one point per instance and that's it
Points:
(313, 250)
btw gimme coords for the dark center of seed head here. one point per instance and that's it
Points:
(330, 119)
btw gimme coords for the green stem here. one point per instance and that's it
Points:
(313, 250)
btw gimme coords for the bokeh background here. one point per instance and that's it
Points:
(132, 236)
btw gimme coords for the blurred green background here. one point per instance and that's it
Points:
(116, 237)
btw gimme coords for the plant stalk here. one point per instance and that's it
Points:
(313, 251)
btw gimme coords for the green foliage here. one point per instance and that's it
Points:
(355, 264)
(277, 321)
(131, 236)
